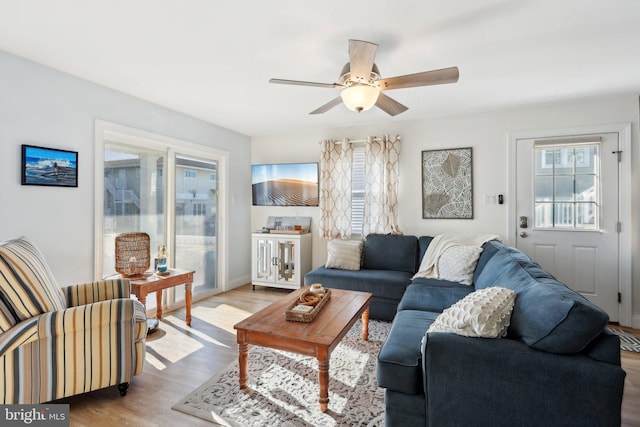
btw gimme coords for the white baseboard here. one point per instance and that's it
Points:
(236, 283)
(635, 322)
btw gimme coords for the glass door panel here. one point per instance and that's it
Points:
(134, 199)
(196, 222)
(286, 263)
(263, 258)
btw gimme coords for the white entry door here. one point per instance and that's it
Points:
(567, 212)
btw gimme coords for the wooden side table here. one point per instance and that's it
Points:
(156, 283)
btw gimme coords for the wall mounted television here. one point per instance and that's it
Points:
(285, 184)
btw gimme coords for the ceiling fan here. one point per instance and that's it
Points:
(361, 85)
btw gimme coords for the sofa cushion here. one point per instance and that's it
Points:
(490, 269)
(435, 295)
(381, 283)
(26, 282)
(547, 315)
(489, 249)
(344, 254)
(485, 313)
(423, 244)
(458, 263)
(391, 252)
(399, 365)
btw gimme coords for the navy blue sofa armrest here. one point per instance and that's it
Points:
(503, 382)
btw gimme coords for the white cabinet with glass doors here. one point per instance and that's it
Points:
(280, 260)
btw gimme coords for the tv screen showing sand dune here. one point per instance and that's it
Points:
(290, 184)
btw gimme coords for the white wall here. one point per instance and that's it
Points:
(487, 133)
(45, 107)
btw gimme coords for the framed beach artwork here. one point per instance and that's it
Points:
(285, 184)
(447, 184)
(49, 167)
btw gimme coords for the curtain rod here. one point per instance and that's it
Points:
(351, 141)
(355, 141)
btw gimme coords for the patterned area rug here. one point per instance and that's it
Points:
(628, 341)
(284, 387)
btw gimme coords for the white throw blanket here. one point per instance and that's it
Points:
(442, 242)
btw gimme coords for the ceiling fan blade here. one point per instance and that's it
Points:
(326, 107)
(389, 105)
(301, 83)
(361, 57)
(435, 77)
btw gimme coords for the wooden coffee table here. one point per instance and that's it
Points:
(268, 328)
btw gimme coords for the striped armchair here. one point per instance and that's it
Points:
(57, 342)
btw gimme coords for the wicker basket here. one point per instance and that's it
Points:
(132, 254)
(296, 316)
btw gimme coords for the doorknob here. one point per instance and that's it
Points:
(523, 234)
(523, 222)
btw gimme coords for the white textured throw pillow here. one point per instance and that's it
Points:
(458, 263)
(344, 254)
(484, 313)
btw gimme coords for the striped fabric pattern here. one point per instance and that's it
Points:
(141, 336)
(101, 290)
(141, 321)
(72, 351)
(26, 281)
(23, 333)
(7, 319)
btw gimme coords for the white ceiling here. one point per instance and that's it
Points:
(212, 59)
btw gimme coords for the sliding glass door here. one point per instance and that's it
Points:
(134, 198)
(170, 196)
(196, 208)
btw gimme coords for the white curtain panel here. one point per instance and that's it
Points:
(335, 189)
(382, 156)
(381, 199)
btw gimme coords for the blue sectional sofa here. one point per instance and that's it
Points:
(558, 364)
(388, 263)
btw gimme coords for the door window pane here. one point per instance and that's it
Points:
(543, 215)
(564, 160)
(586, 160)
(586, 215)
(566, 176)
(544, 188)
(563, 215)
(586, 188)
(543, 161)
(564, 188)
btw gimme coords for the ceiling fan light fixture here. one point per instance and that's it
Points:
(359, 97)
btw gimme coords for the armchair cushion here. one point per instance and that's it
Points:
(7, 319)
(101, 290)
(26, 282)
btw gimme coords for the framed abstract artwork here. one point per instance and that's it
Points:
(49, 166)
(447, 184)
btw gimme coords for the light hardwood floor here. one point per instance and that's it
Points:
(180, 358)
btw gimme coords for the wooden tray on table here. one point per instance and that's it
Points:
(298, 316)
